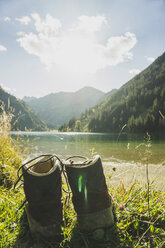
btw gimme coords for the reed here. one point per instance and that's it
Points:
(9, 152)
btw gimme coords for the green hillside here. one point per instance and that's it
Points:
(58, 108)
(137, 104)
(23, 117)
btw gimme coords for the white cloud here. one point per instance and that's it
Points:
(77, 49)
(2, 48)
(7, 19)
(150, 59)
(90, 23)
(24, 20)
(118, 48)
(21, 33)
(7, 89)
(134, 72)
(50, 26)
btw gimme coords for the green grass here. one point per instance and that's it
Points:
(9, 161)
(134, 227)
(9, 152)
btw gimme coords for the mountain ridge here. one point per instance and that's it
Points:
(57, 108)
(24, 118)
(137, 105)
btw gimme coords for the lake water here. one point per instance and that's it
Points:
(111, 147)
(126, 152)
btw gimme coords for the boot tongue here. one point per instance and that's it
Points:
(43, 166)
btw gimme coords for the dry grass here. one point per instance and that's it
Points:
(9, 153)
(5, 120)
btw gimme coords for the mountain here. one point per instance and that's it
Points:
(58, 108)
(107, 95)
(137, 105)
(29, 98)
(23, 117)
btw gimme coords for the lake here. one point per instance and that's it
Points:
(127, 153)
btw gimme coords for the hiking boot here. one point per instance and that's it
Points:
(90, 196)
(42, 187)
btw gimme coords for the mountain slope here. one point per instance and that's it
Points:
(23, 117)
(136, 104)
(58, 108)
(106, 95)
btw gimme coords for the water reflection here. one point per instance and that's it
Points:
(88, 144)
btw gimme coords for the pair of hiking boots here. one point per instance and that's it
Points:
(43, 191)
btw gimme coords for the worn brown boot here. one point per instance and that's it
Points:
(42, 187)
(91, 199)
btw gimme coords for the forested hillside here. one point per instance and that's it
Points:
(23, 117)
(58, 108)
(137, 104)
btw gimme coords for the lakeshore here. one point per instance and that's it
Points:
(128, 174)
(124, 160)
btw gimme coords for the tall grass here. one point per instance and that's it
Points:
(9, 153)
(5, 120)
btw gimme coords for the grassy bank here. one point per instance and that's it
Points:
(139, 211)
(136, 225)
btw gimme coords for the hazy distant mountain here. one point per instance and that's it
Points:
(107, 95)
(138, 104)
(29, 98)
(23, 116)
(57, 108)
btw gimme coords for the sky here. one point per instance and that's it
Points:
(48, 46)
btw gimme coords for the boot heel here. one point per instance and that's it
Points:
(90, 196)
(42, 187)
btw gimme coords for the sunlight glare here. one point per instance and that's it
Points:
(79, 53)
